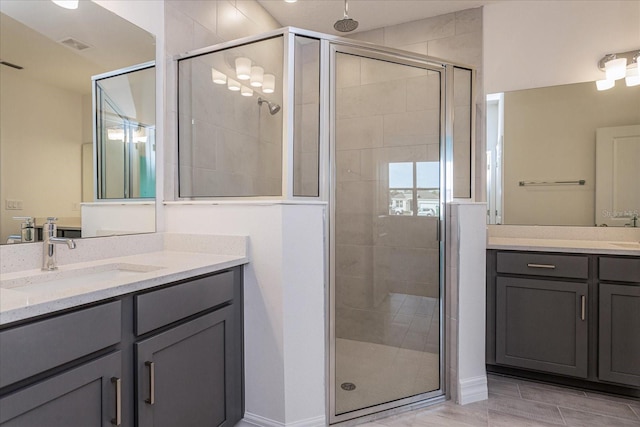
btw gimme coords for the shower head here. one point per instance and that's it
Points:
(273, 108)
(345, 24)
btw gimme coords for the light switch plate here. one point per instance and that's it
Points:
(13, 205)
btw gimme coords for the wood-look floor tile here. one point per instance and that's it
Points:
(505, 388)
(565, 400)
(474, 414)
(499, 419)
(534, 411)
(576, 418)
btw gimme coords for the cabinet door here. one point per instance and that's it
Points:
(190, 375)
(542, 325)
(619, 334)
(80, 397)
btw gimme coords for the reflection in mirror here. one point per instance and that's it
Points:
(49, 55)
(541, 154)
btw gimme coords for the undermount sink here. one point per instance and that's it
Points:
(62, 279)
(627, 245)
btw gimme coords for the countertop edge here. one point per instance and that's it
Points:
(564, 248)
(10, 316)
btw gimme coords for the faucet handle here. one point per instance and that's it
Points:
(51, 219)
(29, 220)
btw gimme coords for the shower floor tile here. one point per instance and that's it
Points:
(381, 373)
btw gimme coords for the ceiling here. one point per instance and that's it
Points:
(320, 15)
(31, 32)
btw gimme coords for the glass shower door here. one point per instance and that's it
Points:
(386, 251)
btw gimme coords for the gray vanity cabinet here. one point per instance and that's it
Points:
(169, 356)
(619, 326)
(185, 374)
(87, 395)
(541, 325)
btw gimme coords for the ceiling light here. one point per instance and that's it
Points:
(633, 75)
(233, 85)
(616, 68)
(243, 68)
(290, 1)
(246, 91)
(257, 75)
(605, 84)
(268, 83)
(217, 77)
(67, 4)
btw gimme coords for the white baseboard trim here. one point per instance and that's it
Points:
(472, 389)
(260, 421)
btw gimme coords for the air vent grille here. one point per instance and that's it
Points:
(75, 44)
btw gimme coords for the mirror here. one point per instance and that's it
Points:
(541, 156)
(49, 55)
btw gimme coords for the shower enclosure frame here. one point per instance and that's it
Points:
(329, 45)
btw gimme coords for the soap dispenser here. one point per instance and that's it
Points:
(27, 228)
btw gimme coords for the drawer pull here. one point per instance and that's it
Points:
(547, 266)
(118, 419)
(152, 379)
(583, 306)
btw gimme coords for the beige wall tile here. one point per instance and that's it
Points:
(464, 49)
(412, 128)
(423, 93)
(469, 21)
(357, 133)
(419, 31)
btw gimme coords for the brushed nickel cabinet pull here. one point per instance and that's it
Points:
(548, 266)
(583, 306)
(118, 419)
(152, 379)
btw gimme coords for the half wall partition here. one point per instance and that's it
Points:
(385, 138)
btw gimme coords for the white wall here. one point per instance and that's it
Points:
(284, 303)
(545, 43)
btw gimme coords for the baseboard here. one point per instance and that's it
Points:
(260, 421)
(472, 390)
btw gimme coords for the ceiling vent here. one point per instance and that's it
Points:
(75, 44)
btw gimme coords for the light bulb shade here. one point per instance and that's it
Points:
(633, 75)
(233, 85)
(67, 4)
(243, 68)
(269, 83)
(257, 74)
(605, 84)
(217, 77)
(616, 69)
(246, 91)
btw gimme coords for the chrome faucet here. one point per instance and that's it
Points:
(50, 241)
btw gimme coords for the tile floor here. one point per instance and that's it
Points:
(520, 403)
(381, 373)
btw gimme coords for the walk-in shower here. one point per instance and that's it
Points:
(371, 132)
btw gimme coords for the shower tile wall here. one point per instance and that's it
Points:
(386, 293)
(456, 37)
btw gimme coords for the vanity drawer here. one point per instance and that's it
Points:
(162, 307)
(539, 264)
(620, 269)
(36, 347)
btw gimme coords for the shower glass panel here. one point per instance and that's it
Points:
(230, 121)
(462, 132)
(387, 210)
(306, 141)
(125, 133)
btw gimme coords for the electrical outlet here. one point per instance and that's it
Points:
(13, 205)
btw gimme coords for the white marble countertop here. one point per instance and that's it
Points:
(32, 292)
(569, 246)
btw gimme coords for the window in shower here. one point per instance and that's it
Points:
(230, 121)
(414, 188)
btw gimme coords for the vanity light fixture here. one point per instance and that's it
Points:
(290, 1)
(217, 77)
(616, 68)
(246, 91)
(269, 83)
(67, 4)
(257, 75)
(243, 68)
(233, 85)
